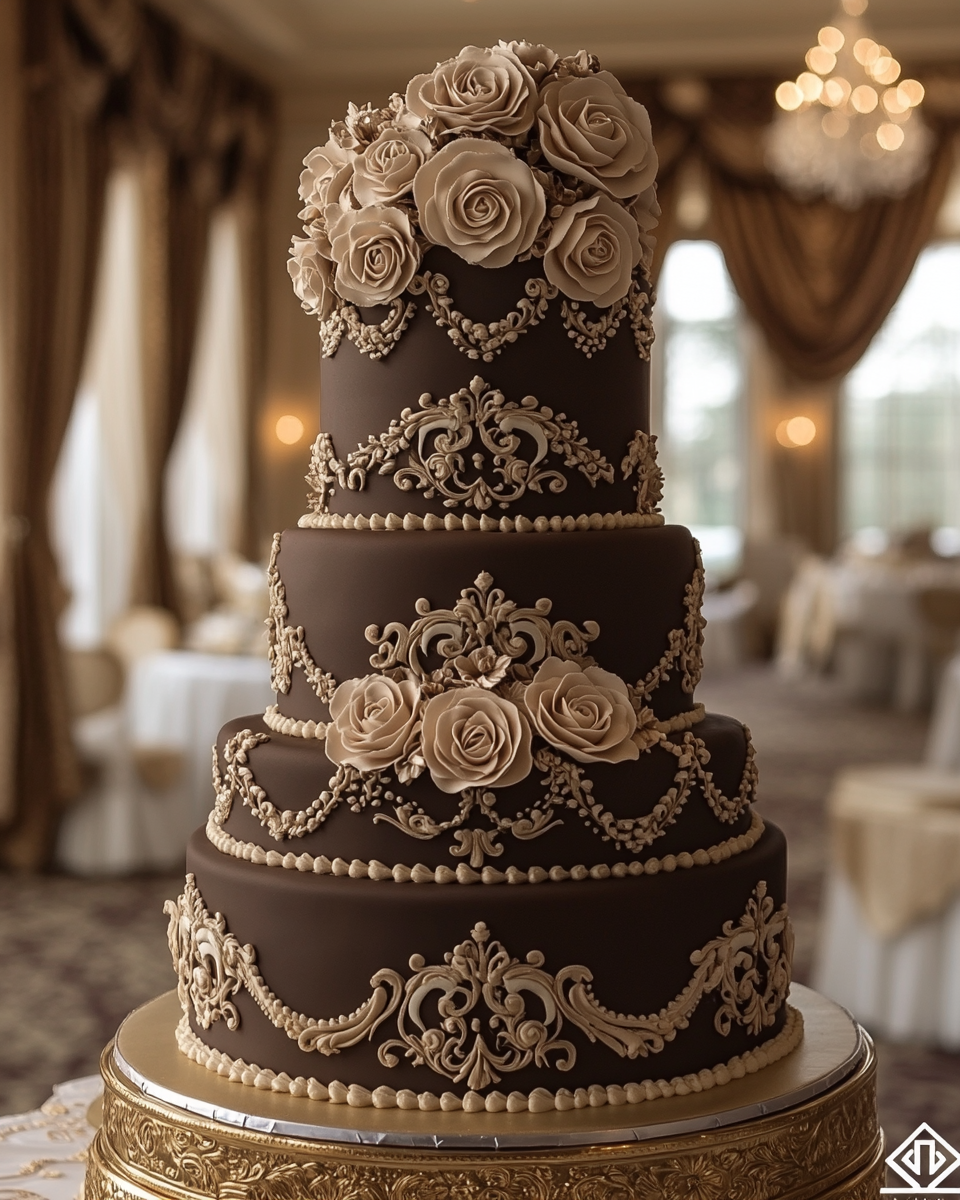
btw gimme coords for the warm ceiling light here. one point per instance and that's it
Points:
(864, 98)
(820, 60)
(810, 85)
(796, 431)
(835, 91)
(885, 69)
(866, 51)
(837, 137)
(890, 136)
(789, 96)
(894, 102)
(830, 38)
(289, 430)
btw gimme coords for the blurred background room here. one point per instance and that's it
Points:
(159, 391)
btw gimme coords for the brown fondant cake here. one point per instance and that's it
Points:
(486, 851)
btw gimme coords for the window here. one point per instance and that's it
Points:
(900, 429)
(701, 375)
(97, 500)
(206, 473)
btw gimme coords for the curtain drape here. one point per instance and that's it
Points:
(93, 76)
(61, 174)
(819, 280)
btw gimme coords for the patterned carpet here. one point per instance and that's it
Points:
(77, 955)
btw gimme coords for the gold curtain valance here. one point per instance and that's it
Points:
(818, 279)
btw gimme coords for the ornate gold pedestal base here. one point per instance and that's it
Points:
(723, 1145)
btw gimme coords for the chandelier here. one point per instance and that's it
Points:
(848, 129)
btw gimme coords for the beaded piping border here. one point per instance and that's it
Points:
(276, 722)
(450, 522)
(226, 843)
(539, 1100)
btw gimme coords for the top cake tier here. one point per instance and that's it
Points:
(539, 430)
(477, 253)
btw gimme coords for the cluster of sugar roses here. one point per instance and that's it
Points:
(470, 725)
(499, 154)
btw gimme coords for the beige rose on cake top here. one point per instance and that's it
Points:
(592, 251)
(312, 275)
(498, 154)
(474, 738)
(324, 165)
(585, 712)
(478, 199)
(479, 90)
(591, 129)
(386, 169)
(645, 210)
(375, 723)
(375, 251)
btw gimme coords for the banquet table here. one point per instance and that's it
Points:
(175, 703)
(865, 613)
(889, 944)
(179, 699)
(43, 1154)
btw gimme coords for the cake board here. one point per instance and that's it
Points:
(801, 1129)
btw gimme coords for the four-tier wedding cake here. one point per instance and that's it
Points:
(485, 852)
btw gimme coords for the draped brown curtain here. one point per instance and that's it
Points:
(819, 280)
(58, 211)
(96, 77)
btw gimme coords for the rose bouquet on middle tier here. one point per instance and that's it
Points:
(471, 723)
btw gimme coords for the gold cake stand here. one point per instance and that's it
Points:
(801, 1129)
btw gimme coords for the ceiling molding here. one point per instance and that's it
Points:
(372, 48)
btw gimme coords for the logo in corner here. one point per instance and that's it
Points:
(924, 1160)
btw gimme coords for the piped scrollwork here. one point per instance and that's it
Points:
(483, 1013)
(212, 967)
(288, 643)
(466, 449)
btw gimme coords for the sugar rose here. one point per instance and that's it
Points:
(385, 170)
(475, 738)
(591, 128)
(479, 90)
(478, 199)
(646, 212)
(538, 59)
(375, 721)
(585, 713)
(592, 251)
(329, 169)
(312, 276)
(375, 252)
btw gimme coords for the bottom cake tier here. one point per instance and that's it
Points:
(552, 995)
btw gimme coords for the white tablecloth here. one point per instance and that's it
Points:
(43, 1154)
(866, 613)
(905, 988)
(176, 701)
